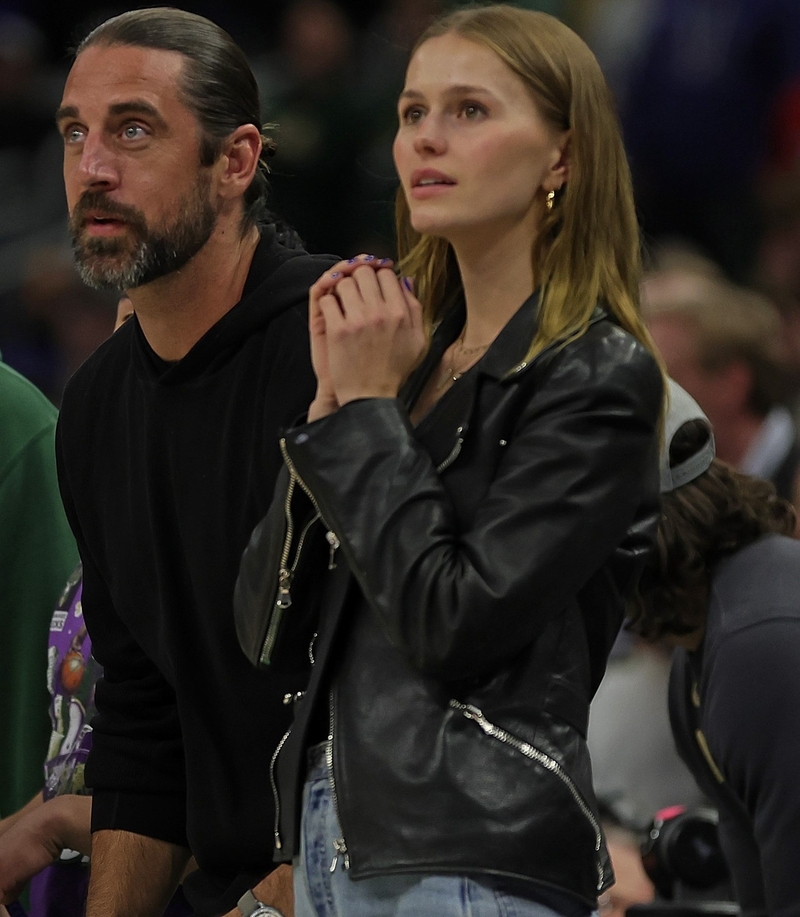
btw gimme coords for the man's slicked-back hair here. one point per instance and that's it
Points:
(218, 84)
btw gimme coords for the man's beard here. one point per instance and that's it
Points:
(141, 254)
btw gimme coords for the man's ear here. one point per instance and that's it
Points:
(239, 161)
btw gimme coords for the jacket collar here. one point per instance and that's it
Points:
(445, 426)
(506, 354)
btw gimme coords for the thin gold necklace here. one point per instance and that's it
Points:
(451, 374)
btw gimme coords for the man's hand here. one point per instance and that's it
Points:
(37, 839)
(277, 889)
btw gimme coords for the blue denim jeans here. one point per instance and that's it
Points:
(323, 887)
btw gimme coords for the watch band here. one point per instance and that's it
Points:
(250, 906)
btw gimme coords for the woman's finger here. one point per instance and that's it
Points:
(365, 278)
(414, 305)
(346, 268)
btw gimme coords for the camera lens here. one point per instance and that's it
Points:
(683, 846)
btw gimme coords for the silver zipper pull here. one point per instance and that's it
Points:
(284, 599)
(341, 850)
(333, 541)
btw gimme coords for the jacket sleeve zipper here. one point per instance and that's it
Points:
(547, 762)
(331, 538)
(285, 572)
(284, 597)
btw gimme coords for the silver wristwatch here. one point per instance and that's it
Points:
(250, 906)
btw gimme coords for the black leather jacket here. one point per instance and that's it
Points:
(471, 574)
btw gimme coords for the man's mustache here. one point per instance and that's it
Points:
(97, 204)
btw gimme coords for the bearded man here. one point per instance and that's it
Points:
(168, 450)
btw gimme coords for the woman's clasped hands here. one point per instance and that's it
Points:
(366, 331)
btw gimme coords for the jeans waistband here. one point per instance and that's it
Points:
(317, 757)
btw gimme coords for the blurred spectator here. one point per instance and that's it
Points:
(37, 552)
(723, 344)
(698, 97)
(778, 262)
(30, 150)
(23, 106)
(51, 322)
(779, 253)
(309, 92)
(636, 768)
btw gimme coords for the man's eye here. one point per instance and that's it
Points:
(133, 132)
(73, 135)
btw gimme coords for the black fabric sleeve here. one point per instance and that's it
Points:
(752, 712)
(136, 766)
(459, 603)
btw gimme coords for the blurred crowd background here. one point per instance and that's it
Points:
(708, 93)
(709, 97)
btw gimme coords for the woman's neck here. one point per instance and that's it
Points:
(496, 279)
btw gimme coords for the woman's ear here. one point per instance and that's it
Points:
(559, 170)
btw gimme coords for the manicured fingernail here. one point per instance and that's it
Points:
(408, 283)
(335, 274)
(369, 257)
(351, 260)
(384, 260)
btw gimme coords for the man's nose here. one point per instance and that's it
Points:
(97, 165)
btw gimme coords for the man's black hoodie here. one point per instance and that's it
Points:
(165, 469)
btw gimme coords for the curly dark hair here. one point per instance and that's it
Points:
(711, 517)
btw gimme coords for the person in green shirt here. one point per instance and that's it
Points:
(37, 553)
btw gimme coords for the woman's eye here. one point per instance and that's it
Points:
(472, 109)
(412, 114)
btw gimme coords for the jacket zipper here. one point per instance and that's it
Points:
(290, 698)
(285, 577)
(286, 573)
(330, 536)
(339, 843)
(453, 452)
(546, 761)
(275, 794)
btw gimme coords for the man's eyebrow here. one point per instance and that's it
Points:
(135, 107)
(131, 107)
(66, 111)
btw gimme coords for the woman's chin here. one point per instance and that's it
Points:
(431, 227)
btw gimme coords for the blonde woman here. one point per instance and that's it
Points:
(470, 501)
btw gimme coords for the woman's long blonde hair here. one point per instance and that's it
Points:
(588, 250)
